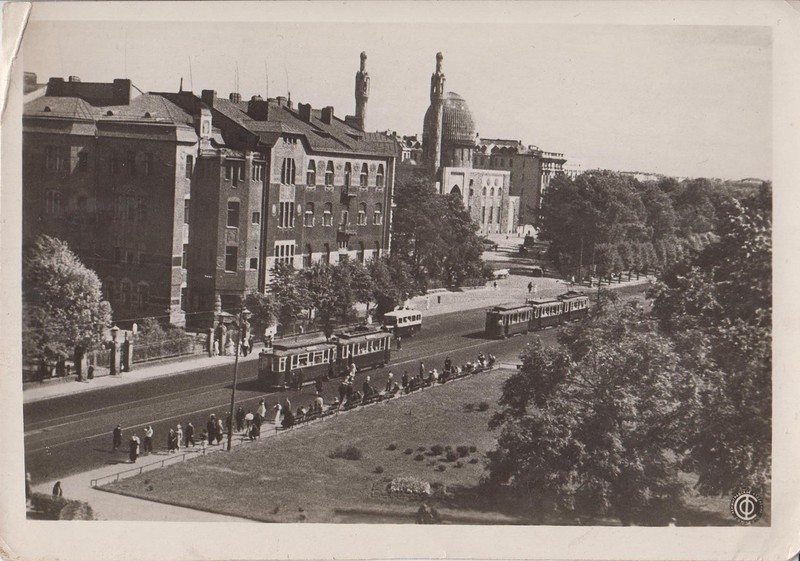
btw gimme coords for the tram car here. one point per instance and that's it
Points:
(507, 320)
(366, 346)
(403, 322)
(575, 306)
(546, 312)
(310, 355)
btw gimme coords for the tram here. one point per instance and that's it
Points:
(575, 306)
(365, 346)
(310, 355)
(403, 322)
(508, 319)
(546, 312)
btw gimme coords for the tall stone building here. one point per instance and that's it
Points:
(184, 203)
(448, 144)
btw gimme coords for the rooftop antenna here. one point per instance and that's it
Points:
(288, 90)
(126, 53)
(191, 78)
(266, 80)
(181, 86)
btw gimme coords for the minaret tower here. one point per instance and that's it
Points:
(362, 93)
(434, 156)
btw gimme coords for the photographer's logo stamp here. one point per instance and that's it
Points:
(747, 507)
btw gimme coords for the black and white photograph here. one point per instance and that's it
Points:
(298, 267)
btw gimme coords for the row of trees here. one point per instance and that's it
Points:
(434, 234)
(613, 222)
(609, 421)
(330, 292)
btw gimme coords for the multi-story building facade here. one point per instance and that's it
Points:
(531, 169)
(108, 171)
(182, 203)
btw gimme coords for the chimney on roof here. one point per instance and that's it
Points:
(120, 91)
(208, 97)
(305, 111)
(258, 109)
(281, 101)
(74, 79)
(235, 97)
(327, 115)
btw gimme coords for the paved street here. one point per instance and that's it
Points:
(72, 434)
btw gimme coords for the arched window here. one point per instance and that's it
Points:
(329, 174)
(142, 295)
(491, 192)
(348, 173)
(360, 252)
(311, 173)
(456, 190)
(379, 176)
(484, 192)
(52, 203)
(500, 192)
(362, 214)
(125, 292)
(288, 171)
(308, 219)
(327, 215)
(345, 218)
(377, 250)
(109, 289)
(307, 256)
(377, 216)
(364, 178)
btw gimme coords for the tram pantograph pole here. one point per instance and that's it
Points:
(229, 419)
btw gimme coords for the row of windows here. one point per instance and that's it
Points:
(365, 347)
(492, 160)
(130, 164)
(327, 215)
(124, 295)
(494, 215)
(289, 168)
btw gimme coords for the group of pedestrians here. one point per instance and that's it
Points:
(177, 438)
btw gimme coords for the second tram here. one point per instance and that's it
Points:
(312, 356)
(365, 346)
(403, 322)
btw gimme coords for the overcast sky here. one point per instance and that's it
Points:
(680, 100)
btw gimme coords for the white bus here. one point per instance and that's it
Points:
(403, 322)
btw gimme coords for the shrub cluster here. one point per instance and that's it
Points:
(408, 451)
(437, 449)
(483, 406)
(392, 447)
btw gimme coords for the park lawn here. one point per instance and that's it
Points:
(291, 478)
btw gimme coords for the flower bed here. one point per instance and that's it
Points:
(409, 486)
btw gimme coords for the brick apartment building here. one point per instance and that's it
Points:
(182, 204)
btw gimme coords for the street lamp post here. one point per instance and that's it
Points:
(235, 375)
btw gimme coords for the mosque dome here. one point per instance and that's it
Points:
(458, 126)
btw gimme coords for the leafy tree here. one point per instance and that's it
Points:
(263, 310)
(386, 292)
(290, 293)
(718, 306)
(591, 426)
(62, 302)
(321, 284)
(434, 235)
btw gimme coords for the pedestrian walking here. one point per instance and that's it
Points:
(278, 413)
(318, 405)
(178, 437)
(171, 441)
(342, 390)
(421, 369)
(57, 492)
(389, 382)
(404, 379)
(189, 434)
(117, 435)
(220, 431)
(133, 448)
(211, 428)
(299, 380)
(147, 443)
(318, 385)
(240, 414)
(262, 408)
(399, 342)
(530, 287)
